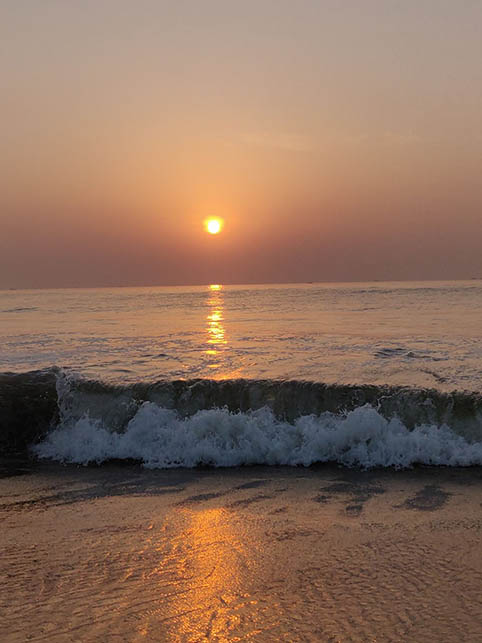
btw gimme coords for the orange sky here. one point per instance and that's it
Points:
(338, 141)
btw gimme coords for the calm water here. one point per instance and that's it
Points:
(419, 334)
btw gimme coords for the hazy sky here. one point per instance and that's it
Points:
(339, 140)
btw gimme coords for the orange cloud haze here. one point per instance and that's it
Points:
(338, 141)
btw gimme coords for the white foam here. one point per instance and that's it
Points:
(159, 438)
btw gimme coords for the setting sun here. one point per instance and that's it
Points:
(213, 226)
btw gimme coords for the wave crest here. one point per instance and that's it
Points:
(237, 422)
(160, 438)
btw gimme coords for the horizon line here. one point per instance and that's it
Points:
(253, 283)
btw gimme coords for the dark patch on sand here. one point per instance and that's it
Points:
(109, 481)
(354, 510)
(280, 510)
(10, 472)
(358, 492)
(253, 484)
(249, 501)
(201, 497)
(459, 477)
(323, 500)
(79, 495)
(430, 498)
(290, 533)
(18, 505)
(12, 467)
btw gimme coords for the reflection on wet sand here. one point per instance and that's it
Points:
(326, 554)
(215, 559)
(199, 568)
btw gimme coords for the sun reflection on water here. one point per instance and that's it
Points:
(216, 334)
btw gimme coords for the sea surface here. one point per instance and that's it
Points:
(366, 374)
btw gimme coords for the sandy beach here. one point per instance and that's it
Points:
(121, 553)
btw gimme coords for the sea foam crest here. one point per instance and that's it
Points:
(161, 438)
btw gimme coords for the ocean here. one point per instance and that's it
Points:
(363, 374)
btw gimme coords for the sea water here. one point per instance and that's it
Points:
(367, 374)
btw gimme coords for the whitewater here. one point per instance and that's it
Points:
(161, 438)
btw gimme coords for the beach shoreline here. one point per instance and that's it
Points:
(249, 553)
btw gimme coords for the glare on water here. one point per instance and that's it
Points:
(410, 333)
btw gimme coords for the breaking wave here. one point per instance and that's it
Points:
(159, 438)
(238, 422)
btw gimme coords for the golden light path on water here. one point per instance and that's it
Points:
(216, 334)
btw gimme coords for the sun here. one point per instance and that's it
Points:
(213, 225)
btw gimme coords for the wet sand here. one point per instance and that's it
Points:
(120, 553)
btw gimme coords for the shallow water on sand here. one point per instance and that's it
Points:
(418, 334)
(264, 554)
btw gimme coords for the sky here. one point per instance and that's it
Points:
(339, 141)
